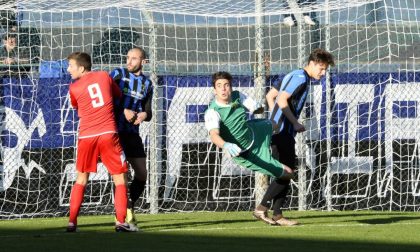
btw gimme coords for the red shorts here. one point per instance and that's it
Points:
(107, 147)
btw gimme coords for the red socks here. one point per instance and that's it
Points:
(121, 202)
(76, 199)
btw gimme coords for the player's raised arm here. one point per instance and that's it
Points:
(271, 97)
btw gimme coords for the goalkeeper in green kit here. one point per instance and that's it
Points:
(247, 142)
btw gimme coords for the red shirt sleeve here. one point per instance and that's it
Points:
(73, 100)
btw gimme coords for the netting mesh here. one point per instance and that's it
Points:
(218, 8)
(361, 147)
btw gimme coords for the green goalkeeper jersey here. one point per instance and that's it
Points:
(233, 122)
(253, 137)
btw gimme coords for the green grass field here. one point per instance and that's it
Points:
(231, 231)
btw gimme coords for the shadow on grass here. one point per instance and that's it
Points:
(180, 224)
(49, 240)
(388, 220)
(336, 215)
(194, 224)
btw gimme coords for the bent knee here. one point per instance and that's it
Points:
(82, 178)
(287, 173)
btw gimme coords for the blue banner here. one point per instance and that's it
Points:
(26, 98)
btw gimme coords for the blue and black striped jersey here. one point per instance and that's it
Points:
(136, 96)
(295, 83)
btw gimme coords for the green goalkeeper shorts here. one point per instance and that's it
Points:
(258, 158)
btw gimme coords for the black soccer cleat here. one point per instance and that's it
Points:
(71, 228)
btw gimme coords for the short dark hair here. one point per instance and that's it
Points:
(319, 55)
(9, 35)
(82, 59)
(220, 76)
(140, 49)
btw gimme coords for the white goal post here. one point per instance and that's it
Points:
(361, 147)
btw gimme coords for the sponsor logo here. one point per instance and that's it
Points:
(12, 156)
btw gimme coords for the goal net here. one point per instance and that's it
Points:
(360, 150)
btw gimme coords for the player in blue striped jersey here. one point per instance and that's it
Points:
(132, 109)
(286, 101)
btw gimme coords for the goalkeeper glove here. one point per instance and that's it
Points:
(232, 149)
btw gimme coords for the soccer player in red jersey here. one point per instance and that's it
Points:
(92, 95)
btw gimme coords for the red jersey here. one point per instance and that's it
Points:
(92, 95)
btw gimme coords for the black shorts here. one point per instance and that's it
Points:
(285, 153)
(132, 145)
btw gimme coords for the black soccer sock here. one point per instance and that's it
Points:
(275, 188)
(279, 201)
(136, 189)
